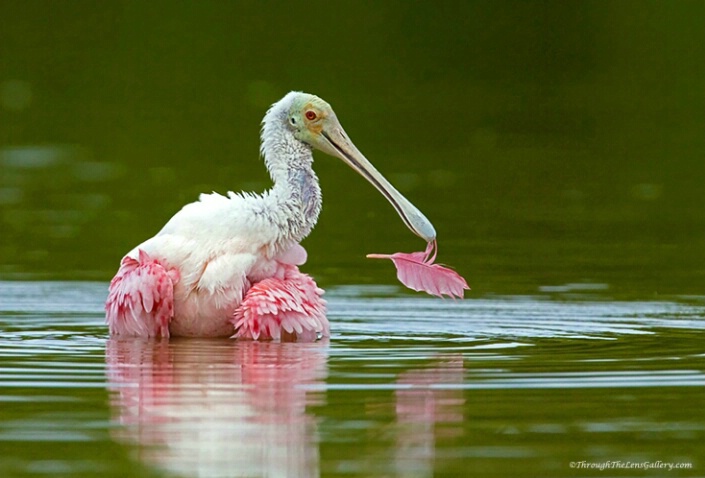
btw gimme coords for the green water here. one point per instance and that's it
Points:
(547, 142)
(558, 148)
(511, 386)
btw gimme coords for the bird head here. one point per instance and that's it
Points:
(313, 122)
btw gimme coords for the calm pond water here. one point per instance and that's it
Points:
(406, 386)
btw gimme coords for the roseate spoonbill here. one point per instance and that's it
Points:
(227, 265)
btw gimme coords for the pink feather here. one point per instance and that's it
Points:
(417, 271)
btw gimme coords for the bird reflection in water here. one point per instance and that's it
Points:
(213, 407)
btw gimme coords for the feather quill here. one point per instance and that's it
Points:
(417, 271)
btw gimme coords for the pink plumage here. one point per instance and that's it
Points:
(417, 271)
(286, 306)
(282, 309)
(141, 298)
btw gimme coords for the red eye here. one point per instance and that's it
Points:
(310, 115)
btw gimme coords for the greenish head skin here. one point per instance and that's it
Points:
(311, 118)
(314, 123)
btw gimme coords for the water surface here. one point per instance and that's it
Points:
(405, 386)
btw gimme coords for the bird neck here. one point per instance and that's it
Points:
(296, 193)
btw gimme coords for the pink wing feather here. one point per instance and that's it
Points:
(283, 309)
(417, 271)
(141, 298)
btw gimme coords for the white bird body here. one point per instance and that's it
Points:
(222, 245)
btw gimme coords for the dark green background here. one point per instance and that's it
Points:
(549, 142)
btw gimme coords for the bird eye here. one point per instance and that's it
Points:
(292, 120)
(310, 115)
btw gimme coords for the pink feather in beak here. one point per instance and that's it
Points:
(417, 271)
